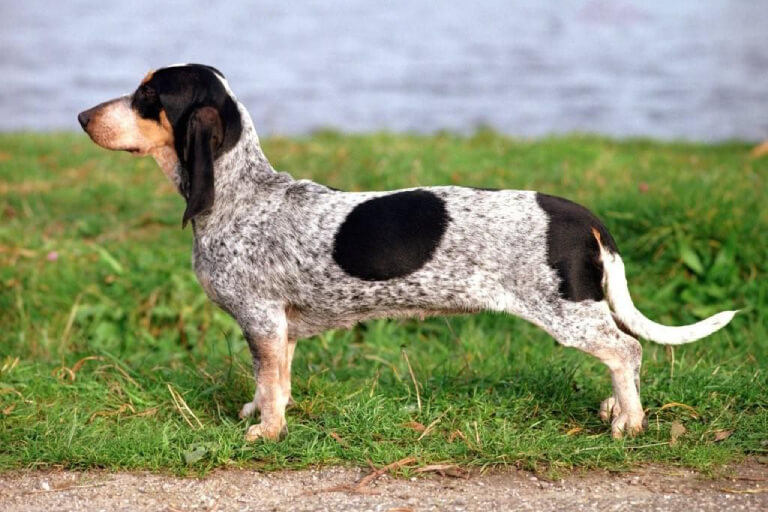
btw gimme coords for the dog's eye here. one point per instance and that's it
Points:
(147, 92)
(146, 101)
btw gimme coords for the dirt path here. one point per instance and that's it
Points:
(647, 489)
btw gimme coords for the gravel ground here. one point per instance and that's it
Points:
(651, 488)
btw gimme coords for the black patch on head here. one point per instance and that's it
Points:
(184, 92)
(572, 250)
(146, 102)
(181, 90)
(390, 236)
(211, 68)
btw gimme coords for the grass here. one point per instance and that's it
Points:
(106, 337)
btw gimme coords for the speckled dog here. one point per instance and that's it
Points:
(291, 258)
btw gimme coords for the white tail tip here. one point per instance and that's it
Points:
(618, 295)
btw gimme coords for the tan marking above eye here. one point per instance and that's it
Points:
(148, 77)
(596, 234)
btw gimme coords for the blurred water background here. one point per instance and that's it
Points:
(669, 69)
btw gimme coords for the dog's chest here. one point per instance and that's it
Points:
(206, 276)
(233, 265)
(205, 280)
(217, 274)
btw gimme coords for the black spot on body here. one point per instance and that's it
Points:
(390, 236)
(572, 250)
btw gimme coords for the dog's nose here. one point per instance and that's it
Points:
(84, 117)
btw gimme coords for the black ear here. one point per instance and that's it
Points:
(203, 138)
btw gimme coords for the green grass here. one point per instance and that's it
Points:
(92, 341)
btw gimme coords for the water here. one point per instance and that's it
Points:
(668, 69)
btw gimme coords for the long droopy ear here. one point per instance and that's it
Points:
(203, 138)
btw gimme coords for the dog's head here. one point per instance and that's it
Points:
(185, 116)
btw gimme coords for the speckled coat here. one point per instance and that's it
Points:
(291, 258)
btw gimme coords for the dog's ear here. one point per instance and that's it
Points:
(203, 137)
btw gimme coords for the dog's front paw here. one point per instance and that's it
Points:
(262, 431)
(248, 409)
(609, 409)
(631, 425)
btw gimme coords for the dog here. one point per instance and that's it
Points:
(292, 258)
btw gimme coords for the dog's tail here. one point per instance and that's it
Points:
(617, 293)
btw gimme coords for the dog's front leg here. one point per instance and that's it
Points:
(266, 332)
(251, 407)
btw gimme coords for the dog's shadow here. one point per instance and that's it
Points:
(546, 390)
(524, 395)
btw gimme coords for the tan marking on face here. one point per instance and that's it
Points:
(164, 151)
(159, 137)
(148, 77)
(155, 133)
(115, 125)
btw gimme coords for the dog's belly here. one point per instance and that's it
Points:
(520, 291)
(304, 323)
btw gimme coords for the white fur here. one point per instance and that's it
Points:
(617, 293)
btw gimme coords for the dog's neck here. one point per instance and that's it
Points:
(244, 164)
(238, 174)
(166, 159)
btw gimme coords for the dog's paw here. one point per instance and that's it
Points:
(248, 409)
(609, 409)
(631, 425)
(261, 431)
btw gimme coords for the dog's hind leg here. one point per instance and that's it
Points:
(589, 326)
(624, 408)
